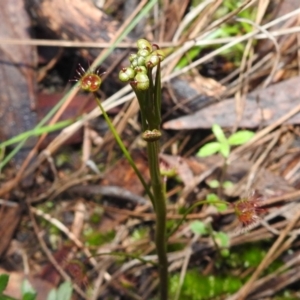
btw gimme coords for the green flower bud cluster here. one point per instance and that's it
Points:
(145, 59)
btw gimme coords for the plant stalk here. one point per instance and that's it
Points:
(160, 212)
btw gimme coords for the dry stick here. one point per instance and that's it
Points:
(188, 18)
(204, 20)
(260, 160)
(246, 288)
(102, 45)
(243, 89)
(277, 56)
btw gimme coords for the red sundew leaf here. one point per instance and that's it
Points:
(90, 80)
(248, 210)
(77, 271)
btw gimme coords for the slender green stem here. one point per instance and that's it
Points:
(160, 211)
(10, 155)
(222, 177)
(157, 92)
(142, 103)
(191, 208)
(124, 150)
(211, 233)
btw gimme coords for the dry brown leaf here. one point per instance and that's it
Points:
(262, 107)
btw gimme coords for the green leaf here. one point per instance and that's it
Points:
(214, 200)
(65, 291)
(27, 288)
(214, 184)
(211, 198)
(221, 206)
(188, 57)
(52, 295)
(198, 227)
(209, 149)
(225, 149)
(3, 282)
(222, 239)
(225, 252)
(227, 184)
(29, 296)
(240, 137)
(219, 134)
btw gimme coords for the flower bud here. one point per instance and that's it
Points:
(154, 58)
(141, 61)
(151, 61)
(141, 81)
(134, 62)
(151, 135)
(143, 52)
(132, 56)
(126, 74)
(144, 44)
(140, 69)
(160, 53)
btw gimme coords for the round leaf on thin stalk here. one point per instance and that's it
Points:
(209, 149)
(219, 133)
(241, 137)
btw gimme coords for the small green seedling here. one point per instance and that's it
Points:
(224, 144)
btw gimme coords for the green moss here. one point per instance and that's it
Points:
(139, 233)
(94, 238)
(199, 287)
(96, 216)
